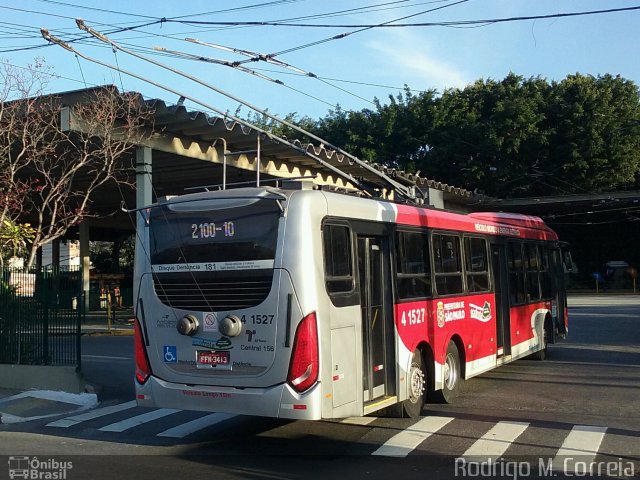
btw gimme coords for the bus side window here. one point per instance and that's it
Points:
(447, 264)
(412, 265)
(476, 264)
(338, 259)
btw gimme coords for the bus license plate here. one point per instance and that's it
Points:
(206, 358)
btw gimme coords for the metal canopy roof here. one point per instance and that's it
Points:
(177, 120)
(187, 152)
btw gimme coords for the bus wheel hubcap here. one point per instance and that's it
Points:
(450, 373)
(416, 383)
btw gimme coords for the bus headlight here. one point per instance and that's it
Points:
(188, 325)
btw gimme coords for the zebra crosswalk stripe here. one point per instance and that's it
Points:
(138, 420)
(497, 440)
(93, 414)
(581, 445)
(188, 428)
(403, 443)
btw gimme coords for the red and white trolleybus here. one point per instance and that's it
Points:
(309, 304)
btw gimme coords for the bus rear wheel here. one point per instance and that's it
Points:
(417, 376)
(452, 376)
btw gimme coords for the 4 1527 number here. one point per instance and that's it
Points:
(413, 316)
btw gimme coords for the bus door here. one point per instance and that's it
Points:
(377, 318)
(501, 288)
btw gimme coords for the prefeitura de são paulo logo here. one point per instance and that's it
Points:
(38, 469)
(440, 314)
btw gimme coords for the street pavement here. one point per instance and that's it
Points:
(581, 403)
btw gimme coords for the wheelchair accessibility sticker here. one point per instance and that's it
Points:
(170, 354)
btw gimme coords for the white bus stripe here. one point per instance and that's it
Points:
(188, 428)
(138, 420)
(581, 445)
(497, 440)
(97, 413)
(403, 443)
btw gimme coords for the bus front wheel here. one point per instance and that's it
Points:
(452, 376)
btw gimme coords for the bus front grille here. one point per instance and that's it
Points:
(212, 292)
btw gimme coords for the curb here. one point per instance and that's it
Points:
(39, 404)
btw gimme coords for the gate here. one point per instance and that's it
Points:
(40, 316)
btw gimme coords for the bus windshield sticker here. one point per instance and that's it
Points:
(222, 343)
(210, 322)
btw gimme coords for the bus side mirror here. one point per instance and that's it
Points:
(567, 262)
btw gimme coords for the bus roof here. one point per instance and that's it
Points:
(488, 223)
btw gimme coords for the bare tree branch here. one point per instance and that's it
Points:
(55, 174)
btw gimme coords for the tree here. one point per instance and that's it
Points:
(490, 136)
(594, 144)
(15, 186)
(514, 137)
(58, 171)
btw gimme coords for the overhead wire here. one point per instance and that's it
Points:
(227, 10)
(51, 74)
(255, 56)
(362, 26)
(366, 9)
(398, 187)
(169, 89)
(142, 49)
(249, 71)
(346, 34)
(325, 80)
(368, 26)
(354, 82)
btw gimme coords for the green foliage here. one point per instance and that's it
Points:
(14, 237)
(513, 137)
(110, 257)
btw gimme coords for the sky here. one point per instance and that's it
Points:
(349, 72)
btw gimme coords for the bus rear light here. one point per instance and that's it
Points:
(305, 363)
(143, 369)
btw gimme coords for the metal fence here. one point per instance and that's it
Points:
(40, 316)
